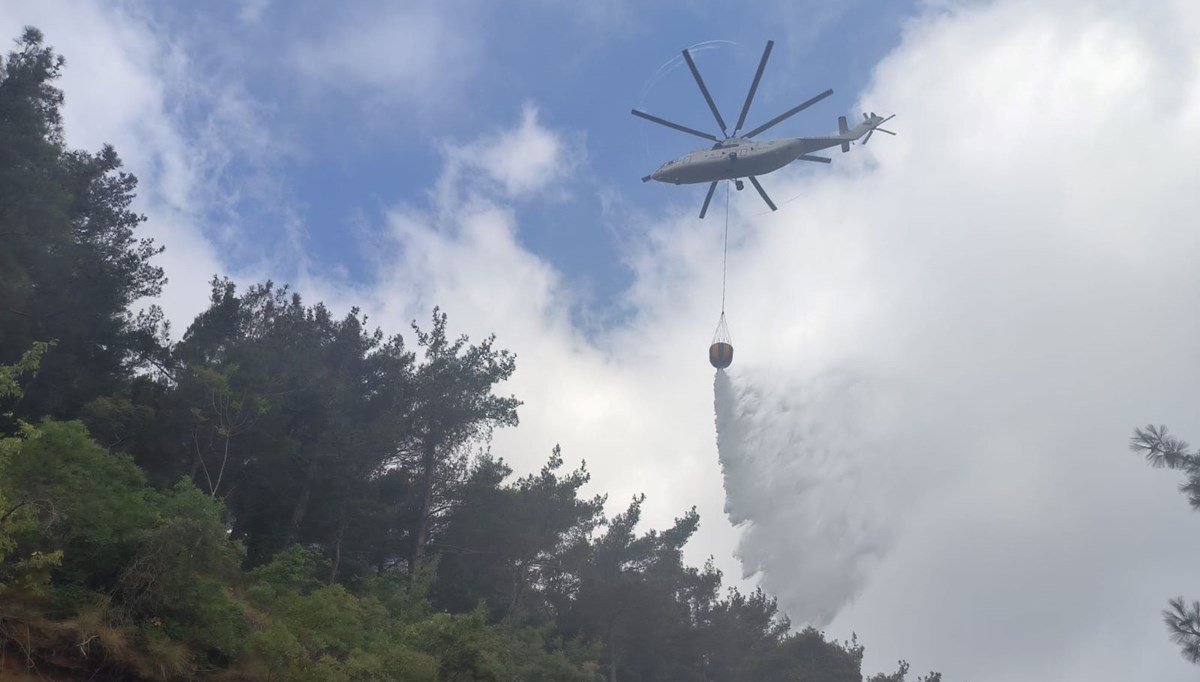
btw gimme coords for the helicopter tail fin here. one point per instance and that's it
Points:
(843, 128)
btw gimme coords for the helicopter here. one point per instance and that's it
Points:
(739, 156)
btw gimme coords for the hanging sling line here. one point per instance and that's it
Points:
(725, 250)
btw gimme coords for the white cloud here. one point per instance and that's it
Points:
(527, 159)
(418, 54)
(252, 11)
(515, 164)
(420, 64)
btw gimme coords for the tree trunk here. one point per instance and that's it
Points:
(612, 654)
(224, 461)
(428, 463)
(301, 506)
(337, 552)
(518, 582)
(197, 466)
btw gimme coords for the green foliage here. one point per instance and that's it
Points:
(902, 673)
(452, 405)
(470, 649)
(80, 499)
(499, 547)
(298, 420)
(225, 414)
(29, 363)
(116, 420)
(25, 575)
(292, 571)
(183, 574)
(737, 631)
(90, 523)
(807, 656)
(539, 656)
(325, 632)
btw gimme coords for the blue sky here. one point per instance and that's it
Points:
(943, 339)
(350, 149)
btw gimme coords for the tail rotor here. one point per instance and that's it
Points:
(875, 121)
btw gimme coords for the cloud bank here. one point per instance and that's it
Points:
(1014, 278)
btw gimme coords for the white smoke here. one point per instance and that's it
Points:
(797, 462)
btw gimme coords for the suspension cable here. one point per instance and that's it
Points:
(725, 250)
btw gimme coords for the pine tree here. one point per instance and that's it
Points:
(72, 266)
(1162, 450)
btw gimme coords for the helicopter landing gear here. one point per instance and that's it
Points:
(739, 185)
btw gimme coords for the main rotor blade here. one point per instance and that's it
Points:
(676, 126)
(707, 97)
(788, 114)
(818, 159)
(762, 64)
(707, 198)
(761, 193)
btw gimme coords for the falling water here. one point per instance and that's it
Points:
(794, 458)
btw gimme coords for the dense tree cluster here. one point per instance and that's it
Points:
(285, 494)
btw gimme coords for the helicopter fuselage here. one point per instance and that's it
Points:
(739, 158)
